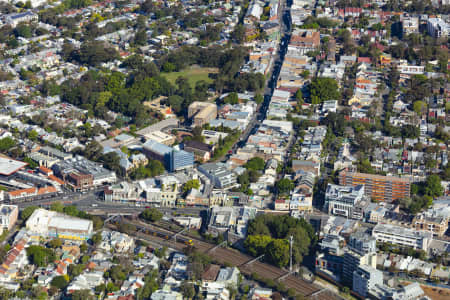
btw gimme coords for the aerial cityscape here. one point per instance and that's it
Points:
(220, 150)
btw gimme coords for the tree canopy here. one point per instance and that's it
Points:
(151, 215)
(255, 163)
(269, 234)
(284, 186)
(191, 184)
(40, 256)
(323, 89)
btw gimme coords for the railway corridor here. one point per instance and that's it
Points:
(246, 264)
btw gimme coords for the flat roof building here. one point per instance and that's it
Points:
(219, 175)
(378, 187)
(52, 152)
(9, 166)
(202, 112)
(56, 225)
(172, 159)
(341, 200)
(365, 278)
(161, 137)
(404, 237)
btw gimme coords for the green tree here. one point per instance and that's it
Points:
(23, 30)
(31, 163)
(257, 244)
(140, 38)
(187, 290)
(322, 89)
(82, 295)
(27, 212)
(40, 256)
(191, 184)
(83, 248)
(299, 95)
(231, 98)
(278, 252)
(284, 186)
(255, 163)
(71, 210)
(96, 238)
(151, 215)
(33, 135)
(433, 186)
(111, 287)
(419, 106)
(57, 206)
(55, 243)
(259, 98)
(6, 144)
(59, 282)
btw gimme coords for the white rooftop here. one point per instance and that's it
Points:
(65, 222)
(9, 166)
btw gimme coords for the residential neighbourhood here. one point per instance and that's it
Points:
(242, 149)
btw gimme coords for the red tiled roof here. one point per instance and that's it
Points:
(45, 170)
(56, 179)
(46, 190)
(22, 191)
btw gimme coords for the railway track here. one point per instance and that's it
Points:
(233, 257)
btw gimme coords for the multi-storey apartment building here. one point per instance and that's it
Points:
(377, 187)
(403, 237)
(365, 278)
(341, 200)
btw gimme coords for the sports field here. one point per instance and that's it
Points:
(193, 75)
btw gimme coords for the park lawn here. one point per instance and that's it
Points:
(193, 75)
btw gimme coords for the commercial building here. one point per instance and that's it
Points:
(202, 152)
(437, 27)
(52, 152)
(80, 173)
(9, 166)
(171, 158)
(56, 225)
(157, 151)
(305, 40)
(341, 200)
(79, 181)
(202, 113)
(403, 237)
(365, 278)
(8, 216)
(219, 175)
(181, 160)
(42, 159)
(27, 193)
(123, 192)
(436, 225)
(377, 187)
(161, 137)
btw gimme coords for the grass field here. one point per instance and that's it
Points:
(193, 74)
